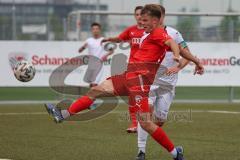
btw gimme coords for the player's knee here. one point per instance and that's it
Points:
(92, 85)
(146, 125)
(160, 117)
(95, 91)
(146, 122)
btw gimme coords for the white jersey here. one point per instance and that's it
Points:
(162, 79)
(95, 48)
(94, 75)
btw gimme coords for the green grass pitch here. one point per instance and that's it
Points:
(45, 93)
(27, 133)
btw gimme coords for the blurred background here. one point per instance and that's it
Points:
(37, 29)
(55, 20)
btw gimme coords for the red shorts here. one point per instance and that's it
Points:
(120, 84)
(135, 82)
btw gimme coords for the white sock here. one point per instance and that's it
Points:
(174, 153)
(65, 114)
(142, 139)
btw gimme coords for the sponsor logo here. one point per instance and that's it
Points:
(138, 99)
(15, 57)
(136, 40)
(231, 61)
(46, 60)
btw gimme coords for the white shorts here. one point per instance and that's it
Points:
(161, 99)
(94, 72)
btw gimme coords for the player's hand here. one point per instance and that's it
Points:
(199, 69)
(172, 70)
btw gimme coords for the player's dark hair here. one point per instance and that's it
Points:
(137, 8)
(96, 24)
(162, 9)
(152, 10)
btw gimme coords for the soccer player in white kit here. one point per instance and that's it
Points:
(95, 49)
(163, 88)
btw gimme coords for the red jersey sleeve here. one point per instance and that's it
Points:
(160, 37)
(124, 36)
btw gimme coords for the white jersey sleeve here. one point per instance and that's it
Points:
(176, 36)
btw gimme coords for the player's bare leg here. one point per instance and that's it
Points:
(93, 85)
(103, 90)
(93, 106)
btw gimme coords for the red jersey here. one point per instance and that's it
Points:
(152, 48)
(140, 74)
(133, 35)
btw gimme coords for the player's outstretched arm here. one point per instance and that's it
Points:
(124, 36)
(111, 39)
(82, 48)
(184, 62)
(175, 49)
(199, 69)
(176, 53)
(185, 52)
(176, 69)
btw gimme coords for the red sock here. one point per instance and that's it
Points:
(160, 136)
(80, 104)
(133, 114)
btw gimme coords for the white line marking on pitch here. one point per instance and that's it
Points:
(215, 111)
(118, 112)
(23, 113)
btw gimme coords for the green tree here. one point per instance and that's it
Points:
(5, 28)
(230, 28)
(56, 26)
(189, 26)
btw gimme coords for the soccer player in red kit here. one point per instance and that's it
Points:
(136, 80)
(132, 35)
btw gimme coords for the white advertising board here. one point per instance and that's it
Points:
(221, 61)
(222, 65)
